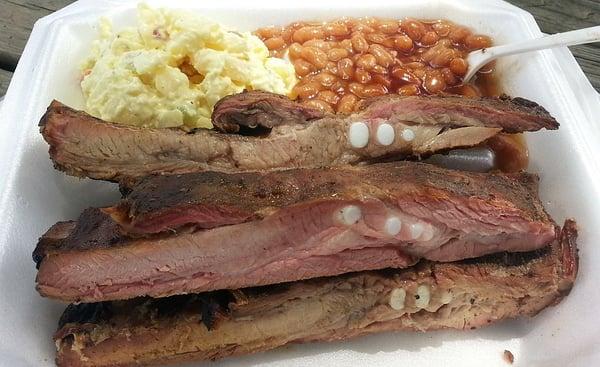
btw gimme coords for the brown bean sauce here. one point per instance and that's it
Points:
(340, 62)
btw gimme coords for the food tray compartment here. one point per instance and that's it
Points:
(34, 195)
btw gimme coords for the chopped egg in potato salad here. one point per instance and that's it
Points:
(172, 69)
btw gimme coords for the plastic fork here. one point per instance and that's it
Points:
(477, 59)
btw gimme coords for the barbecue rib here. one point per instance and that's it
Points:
(284, 226)
(84, 146)
(428, 296)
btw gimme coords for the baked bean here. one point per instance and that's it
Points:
(314, 56)
(328, 96)
(434, 83)
(445, 42)
(346, 103)
(362, 76)
(295, 50)
(320, 44)
(325, 79)
(459, 66)
(302, 67)
(339, 63)
(419, 73)
(413, 28)
(388, 26)
(408, 90)
(331, 67)
(366, 61)
(403, 43)
(375, 37)
(345, 68)
(356, 88)
(306, 91)
(274, 43)
(439, 56)
(307, 33)
(449, 77)
(338, 87)
(370, 21)
(414, 65)
(383, 57)
(372, 90)
(336, 54)
(319, 104)
(347, 45)
(476, 42)
(378, 69)
(336, 29)
(389, 42)
(268, 32)
(287, 34)
(458, 34)
(363, 28)
(382, 79)
(441, 28)
(402, 74)
(429, 38)
(359, 43)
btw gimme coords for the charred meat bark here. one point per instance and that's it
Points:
(84, 146)
(255, 110)
(428, 296)
(208, 231)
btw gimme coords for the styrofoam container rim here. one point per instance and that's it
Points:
(33, 195)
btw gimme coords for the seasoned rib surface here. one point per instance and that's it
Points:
(82, 145)
(461, 295)
(259, 109)
(208, 231)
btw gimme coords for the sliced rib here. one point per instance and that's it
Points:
(208, 231)
(84, 146)
(428, 296)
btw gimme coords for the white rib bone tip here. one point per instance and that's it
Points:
(416, 229)
(385, 134)
(359, 135)
(393, 225)
(423, 296)
(427, 232)
(351, 214)
(397, 297)
(408, 135)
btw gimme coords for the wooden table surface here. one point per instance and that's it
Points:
(17, 18)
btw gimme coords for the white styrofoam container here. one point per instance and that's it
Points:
(33, 195)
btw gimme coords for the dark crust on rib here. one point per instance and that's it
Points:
(518, 114)
(263, 109)
(52, 240)
(93, 229)
(253, 193)
(110, 326)
(259, 109)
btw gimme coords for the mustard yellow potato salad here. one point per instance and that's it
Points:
(172, 69)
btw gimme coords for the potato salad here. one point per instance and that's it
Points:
(172, 68)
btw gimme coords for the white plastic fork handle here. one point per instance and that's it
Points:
(479, 58)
